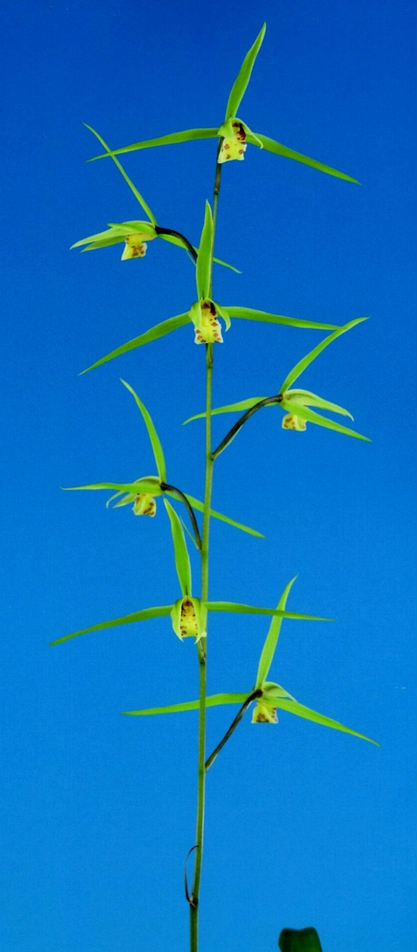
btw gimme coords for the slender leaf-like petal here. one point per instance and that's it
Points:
(271, 641)
(252, 314)
(165, 327)
(203, 267)
(196, 504)
(187, 135)
(293, 707)
(230, 408)
(212, 701)
(309, 399)
(252, 610)
(182, 559)
(174, 240)
(272, 146)
(308, 359)
(149, 484)
(104, 243)
(298, 409)
(125, 620)
(153, 436)
(129, 182)
(115, 233)
(240, 84)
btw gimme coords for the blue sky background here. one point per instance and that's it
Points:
(305, 826)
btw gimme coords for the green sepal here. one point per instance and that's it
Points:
(125, 620)
(153, 436)
(230, 408)
(252, 314)
(148, 484)
(278, 149)
(182, 559)
(308, 399)
(174, 137)
(253, 610)
(308, 359)
(160, 330)
(297, 409)
(294, 707)
(129, 182)
(242, 79)
(196, 504)
(203, 266)
(212, 701)
(194, 314)
(272, 690)
(271, 641)
(223, 313)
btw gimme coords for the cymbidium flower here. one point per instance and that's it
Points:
(188, 617)
(297, 400)
(267, 696)
(233, 133)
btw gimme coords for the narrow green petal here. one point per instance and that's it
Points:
(116, 233)
(306, 414)
(271, 641)
(212, 701)
(96, 245)
(203, 267)
(186, 136)
(253, 610)
(149, 484)
(165, 327)
(301, 711)
(125, 620)
(196, 504)
(226, 265)
(308, 359)
(242, 79)
(153, 436)
(182, 559)
(230, 408)
(251, 314)
(129, 182)
(272, 146)
(309, 399)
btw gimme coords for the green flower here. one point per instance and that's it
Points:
(267, 696)
(233, 133)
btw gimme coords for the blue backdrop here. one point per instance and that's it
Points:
(304, 825)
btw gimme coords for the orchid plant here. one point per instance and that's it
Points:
(188, 612)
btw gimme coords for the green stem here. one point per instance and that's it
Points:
(202, 657)
(202, 650)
